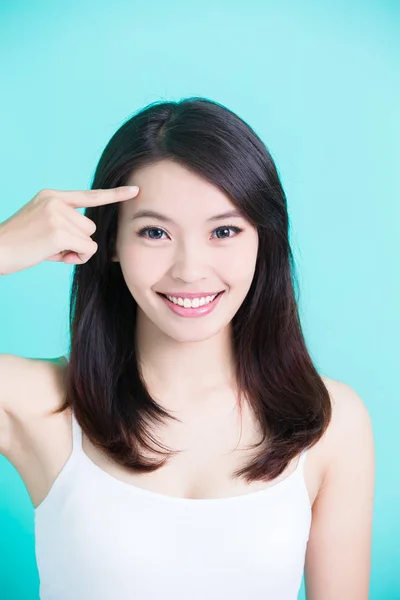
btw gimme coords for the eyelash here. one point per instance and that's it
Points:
(140, 232)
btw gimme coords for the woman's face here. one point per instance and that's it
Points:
(189, 250)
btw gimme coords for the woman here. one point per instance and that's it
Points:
(188, 448)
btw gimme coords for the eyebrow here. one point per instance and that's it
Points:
(156, 215)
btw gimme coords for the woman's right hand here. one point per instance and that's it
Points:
(49, 228)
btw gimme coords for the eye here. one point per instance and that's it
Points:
(147, 232)
(141, 232)
(226, 228)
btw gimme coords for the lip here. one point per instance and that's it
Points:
(191, 296)
(200, 311)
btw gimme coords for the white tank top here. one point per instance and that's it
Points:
(99, 538)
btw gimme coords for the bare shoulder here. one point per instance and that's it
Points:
(348, 408)
(339, 547)
(30, 388)
(350, 425)
(348, 433)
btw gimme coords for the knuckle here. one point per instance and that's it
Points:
(46, 193)
(50, 202)
(91, 226)
(94, 193)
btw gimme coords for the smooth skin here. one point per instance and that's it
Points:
(340, 469)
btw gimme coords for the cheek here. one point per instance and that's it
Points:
(140, 266)
(239, 264)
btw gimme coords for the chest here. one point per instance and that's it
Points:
(212, 445)
(210, 449)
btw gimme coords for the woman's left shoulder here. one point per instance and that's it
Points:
(339, 546)
(350, 425)
(348, 407)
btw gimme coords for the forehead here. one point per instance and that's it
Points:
(171, 188)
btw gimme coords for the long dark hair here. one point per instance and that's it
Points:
(104, 385)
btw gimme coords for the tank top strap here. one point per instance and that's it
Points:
(76, 435)
(301, 461)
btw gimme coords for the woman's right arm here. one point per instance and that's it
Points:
(17, 379)
(47, 228)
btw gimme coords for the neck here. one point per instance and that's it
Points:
(182, 370)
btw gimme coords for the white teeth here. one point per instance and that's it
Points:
(195, 303)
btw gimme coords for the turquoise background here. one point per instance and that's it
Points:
(320, 83)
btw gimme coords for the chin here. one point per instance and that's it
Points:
(191, 335)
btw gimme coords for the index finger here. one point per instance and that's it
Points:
(98, 197)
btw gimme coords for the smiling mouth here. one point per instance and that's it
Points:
(166, 297)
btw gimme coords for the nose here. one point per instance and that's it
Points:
(190, 262)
